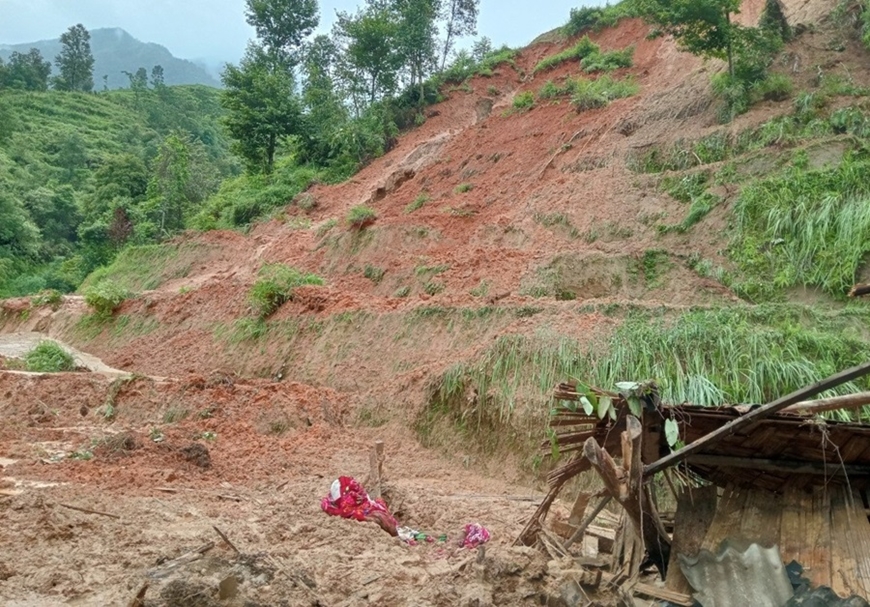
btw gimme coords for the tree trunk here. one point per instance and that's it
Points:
(730, 47)
(270, 153)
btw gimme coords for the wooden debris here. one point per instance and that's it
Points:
(89, 511)
(835, 403)
(859, 290)
(756, 415)
(650, 591)
(139, 599)
(227, 540)
(695, 511)
(581, 528)
(168, 567)
(827, 469)
(625, 485)
(376, 470)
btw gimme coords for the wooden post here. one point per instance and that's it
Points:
(625, 484)
(376, 469)
(757, 415)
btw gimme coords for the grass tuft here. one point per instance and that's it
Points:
(275, 287)
(49, 357)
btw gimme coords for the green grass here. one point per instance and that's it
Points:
(462, 188)
(417, 203)
(609, 61)
(146, 267)
(361, 216)
(48, 357)
(524, 101)
(804, 227)
(49, 297)
(590, 94)
(275, 287)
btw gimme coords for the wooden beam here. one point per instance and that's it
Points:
(627, 488)
(835, 403)
(858, 290)
(756, 415)
(780, 466)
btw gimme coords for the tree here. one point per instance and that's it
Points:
(157, 78)
(282, 25)
(19, 237)
(702, 27)
(417, 38)
(324, 110)
(262, 107)
(461, 20)
(26, 71)
(75, 61)
(369, 57)
(139, 80)
(182, 177)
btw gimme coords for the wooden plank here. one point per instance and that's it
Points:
(695, 511)
(579, 508)
(726, 522)
(860, 531)
(762, 518)
(791, 535)
(843, 566)
(743, 422)
(816, 529)
(776, 465)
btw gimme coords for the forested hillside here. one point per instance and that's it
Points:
(82, 175)
(116, 52)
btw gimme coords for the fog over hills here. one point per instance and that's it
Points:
(116, 51)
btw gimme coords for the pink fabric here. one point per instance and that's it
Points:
(353, 502)
(475, 535)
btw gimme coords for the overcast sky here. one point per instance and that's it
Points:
(215, 30)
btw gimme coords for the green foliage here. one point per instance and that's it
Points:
(607, 62)
(49, 357)
(275, 287)
(105, 297)
(75, 61)
(590, 94)
(282, 25)
(417, 203)
(524, 101)
(731, 355)
(803, 227)
(582, 49)
(49, 297)
(462, 188)
(25, 71)
(373, 273)
(262, 108)
(596, 18)
(361, 216)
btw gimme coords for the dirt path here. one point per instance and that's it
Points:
(17, 345)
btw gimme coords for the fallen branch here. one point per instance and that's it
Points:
(859, 290)
(227, 540)
(89, 511)
(185, 559)
(588, 520)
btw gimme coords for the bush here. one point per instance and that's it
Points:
(462, 188)
(597, 18)
(524, 101)
(591, 94)
(105, 297)
(361, 216)
(607, 62)
(579, 51)
(275, 287)
(48, 357)
(49, 297)
(374, 273)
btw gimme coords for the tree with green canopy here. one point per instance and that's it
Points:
(25, 71)
(282, 25)
(75, 61)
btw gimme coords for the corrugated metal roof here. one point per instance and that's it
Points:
(738, 576)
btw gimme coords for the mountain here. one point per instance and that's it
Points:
(116, 51)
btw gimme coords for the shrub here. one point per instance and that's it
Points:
(776, 87)
(105, 297)
(591, 94)
(373, 273)
(361, 216)
(596, 18)
(48, 297)
(579, 51)
(462, 188)
(524, 101)
(606, 62)
(48, 357)
(275, 287)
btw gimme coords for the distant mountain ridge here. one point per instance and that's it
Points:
(116, 51)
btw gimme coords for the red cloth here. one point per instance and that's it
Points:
(350, 500)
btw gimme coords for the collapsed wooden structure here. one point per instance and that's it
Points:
(776, 475)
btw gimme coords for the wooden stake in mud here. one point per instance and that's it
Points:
(376, 469)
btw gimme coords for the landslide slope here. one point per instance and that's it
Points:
(509, 244)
